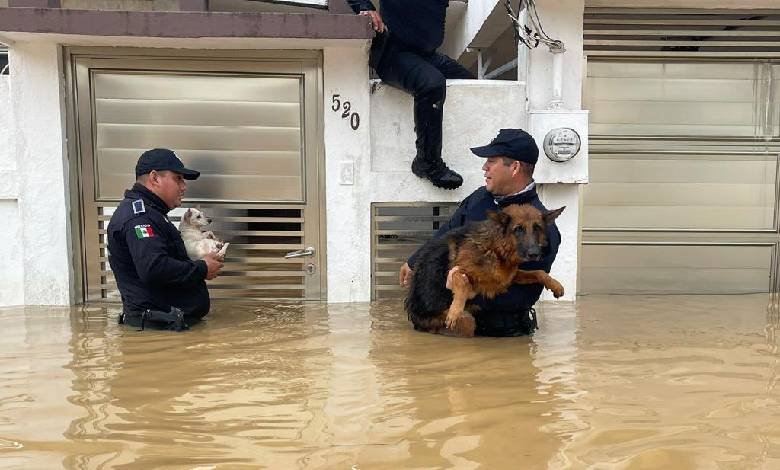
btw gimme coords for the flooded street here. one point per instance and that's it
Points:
(608, 382)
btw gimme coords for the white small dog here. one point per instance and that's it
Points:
(198, 242)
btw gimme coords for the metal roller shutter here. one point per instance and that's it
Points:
(684, 144)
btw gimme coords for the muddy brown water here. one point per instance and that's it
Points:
(607, 382)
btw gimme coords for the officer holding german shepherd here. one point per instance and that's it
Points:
(404, 56)
(509, 165)
(160, 286)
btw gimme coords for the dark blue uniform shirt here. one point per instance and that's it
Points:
(149, 261)
(418, 24)
(520, 297)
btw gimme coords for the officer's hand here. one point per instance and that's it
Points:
(458, 281)
(376, 20)
(405, 275)
(214, 264)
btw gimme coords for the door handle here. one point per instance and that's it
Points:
(301, 253)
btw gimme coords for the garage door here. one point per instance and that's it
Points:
(684, 144)
(249, 123)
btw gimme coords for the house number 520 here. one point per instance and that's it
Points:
(346, 111)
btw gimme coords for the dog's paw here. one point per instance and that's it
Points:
(465, 326)
(451, 320)
(223, 249)
(556, 288)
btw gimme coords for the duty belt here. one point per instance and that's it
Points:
(173, 320)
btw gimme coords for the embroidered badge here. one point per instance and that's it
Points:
(144, 231)
(138, 207)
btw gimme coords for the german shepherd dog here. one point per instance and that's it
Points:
(488, 253)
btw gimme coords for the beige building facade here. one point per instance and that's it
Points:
(674, 188)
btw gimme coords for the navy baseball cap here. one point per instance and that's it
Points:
(516, 144)
(163, 159)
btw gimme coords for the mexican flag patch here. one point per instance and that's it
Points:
(144, 231)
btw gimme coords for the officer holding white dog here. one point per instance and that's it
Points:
(160, 286)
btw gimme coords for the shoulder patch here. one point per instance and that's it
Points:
(144, 231)
(138, 206)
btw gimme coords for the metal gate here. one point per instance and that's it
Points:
(397, 230)
(249, 122)
(684, 145)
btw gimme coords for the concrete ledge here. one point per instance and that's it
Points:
(183, 24)
(10, 187)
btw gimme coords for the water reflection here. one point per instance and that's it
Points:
(675, 382)
(626, 382)
(33, 386)
(216, 395)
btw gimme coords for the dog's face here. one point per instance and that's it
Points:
(528, 226)
(195, 218)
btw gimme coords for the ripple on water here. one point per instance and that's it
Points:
(618, 382)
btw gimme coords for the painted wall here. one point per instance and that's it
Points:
(564, 268)
(37, 130)
(11, 269)
(7, 162)
(346, 150)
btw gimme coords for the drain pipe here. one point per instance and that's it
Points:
(557, 50)
(529, 39)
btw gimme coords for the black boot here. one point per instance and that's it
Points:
(428, 117)
(438, 172)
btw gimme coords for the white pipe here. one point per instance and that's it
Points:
(557, 80)
(522, 51)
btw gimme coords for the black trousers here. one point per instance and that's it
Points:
(419, 73)
(516, 323)
(423, 75)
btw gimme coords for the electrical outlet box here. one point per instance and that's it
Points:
(347, 173)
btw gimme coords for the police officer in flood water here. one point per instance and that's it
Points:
(510, 159)
(404, 56)
(160, 286)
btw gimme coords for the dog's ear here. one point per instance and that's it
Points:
(187, 216)
(501, 218)
(552, 215)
